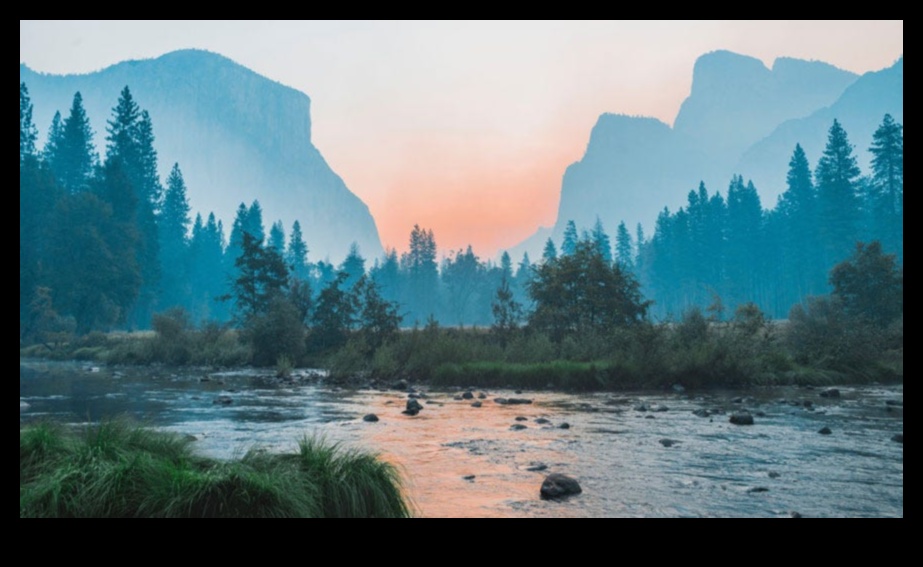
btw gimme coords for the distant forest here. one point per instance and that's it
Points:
(105, 244)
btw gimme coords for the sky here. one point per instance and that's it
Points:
(465, 127)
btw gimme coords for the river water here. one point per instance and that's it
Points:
(635, 454)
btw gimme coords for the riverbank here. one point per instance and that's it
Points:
(118, 470)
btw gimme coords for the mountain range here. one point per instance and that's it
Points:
(740, 118)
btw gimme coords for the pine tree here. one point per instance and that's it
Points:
(27, 131)
(74, 155)
(354, 266)
(837, 174)
(297, 254)
(422, 273)
(173, 231)
(122, 130)
(550, 253)
(277, 238)
(569, 245)
(601, 241)
(798, 210)
(888, 184)
(624, 248)
(55, 140)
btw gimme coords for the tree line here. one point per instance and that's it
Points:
(104, 244)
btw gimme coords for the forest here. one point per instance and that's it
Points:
(724, 290)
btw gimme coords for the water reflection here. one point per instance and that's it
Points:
(635, 455)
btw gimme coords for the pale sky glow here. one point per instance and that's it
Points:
(464, 127)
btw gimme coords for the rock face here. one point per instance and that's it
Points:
(635, 166)
(742, 418)
(557, 486)
(237, 135)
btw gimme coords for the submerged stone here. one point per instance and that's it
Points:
(742, 418)
(370, 418)
(559, 486)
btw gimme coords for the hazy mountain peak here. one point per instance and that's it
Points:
(237, 135)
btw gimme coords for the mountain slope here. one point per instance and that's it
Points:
(237, 136)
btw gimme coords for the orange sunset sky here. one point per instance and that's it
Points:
(464, 127)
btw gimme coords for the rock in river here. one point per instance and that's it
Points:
(825, 431)
(560, 486)
(512, 402)
(899, 438)
(831, 393)
(413, 408)
(223, 401)
(518, 427)
(741, 418)
(370, 418)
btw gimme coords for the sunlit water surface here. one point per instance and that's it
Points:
(630, 463)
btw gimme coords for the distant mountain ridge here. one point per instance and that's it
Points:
(238, 136)
(740, 117)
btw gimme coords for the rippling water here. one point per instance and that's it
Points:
(630, 463)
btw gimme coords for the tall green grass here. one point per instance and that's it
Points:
(119, 470)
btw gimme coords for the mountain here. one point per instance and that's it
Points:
(237, 136)
(860, 110)
(635, 166)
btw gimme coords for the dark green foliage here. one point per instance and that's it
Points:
(334, 316)
(276, 333)
(507, 313)
(623, 248)
(378, 319)
(601, 241)
(277, 238)
(297, 254)
(870, 285)
(550, 252)
(569, 245)
(116, 470)
(173, 230)
(580, 293)
(262, 277)
(353, 266)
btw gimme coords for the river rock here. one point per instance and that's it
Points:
(668, 443)
(774, 475)
(795, 516)
(413, 408)
(741, 418)
(538, 467)
(469, 478)
(641, 408)
(659, 408)
(830, 393)
(520, 418)
(482, 396)
(758, 490)
(825, 431)
(808, 404)
(477, 405)
(518, 427)
(468, 396)
(400, 385)
(223, 401)
(701, 413)
(559, 486)
(542, 421)
(899, 438)
(370, 418)
(512, 401)
(564, 426)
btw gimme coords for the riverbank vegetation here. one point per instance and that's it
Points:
(118, 470)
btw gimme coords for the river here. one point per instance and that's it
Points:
(635, 454)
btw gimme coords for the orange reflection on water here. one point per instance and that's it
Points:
(450, 441)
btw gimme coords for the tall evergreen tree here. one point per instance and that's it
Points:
(174, 240)
(623, 248)
(354, 266)
(277, 238)
(601, 241)
(569, 245)
(422, 273)
(888, 184)
(550, 253)
(837, 174)
(798, 210)
(74, 155)
(55, 140)
(27, 131)
(297, 254)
